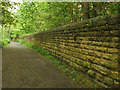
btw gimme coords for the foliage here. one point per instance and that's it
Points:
(4, 42)
(16, 33)
(38, 16)
(33, 17)
(8, 18)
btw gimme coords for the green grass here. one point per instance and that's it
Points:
(4, 42)
(76, 76)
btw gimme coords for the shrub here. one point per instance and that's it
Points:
(4, 42)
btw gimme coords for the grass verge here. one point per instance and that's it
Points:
(76, 76)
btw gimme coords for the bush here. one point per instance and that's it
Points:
(4, 42)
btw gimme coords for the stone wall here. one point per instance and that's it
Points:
(90, 46)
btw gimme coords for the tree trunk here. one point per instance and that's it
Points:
(85, 9)
(9, 32)
(96, 8)
(71, 12)
(3, 28)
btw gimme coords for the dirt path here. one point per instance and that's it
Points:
(25, 68)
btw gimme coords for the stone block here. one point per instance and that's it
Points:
(113, 50)
(91, 73)
(116, 84)
(115, 75)
(108, 81)
(99, 77)
(100, 69)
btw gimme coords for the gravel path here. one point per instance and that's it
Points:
(25, 68)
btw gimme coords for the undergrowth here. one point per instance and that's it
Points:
(76, 76)
(4, 42)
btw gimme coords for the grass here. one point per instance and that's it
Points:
(4, 42)
(76, 76)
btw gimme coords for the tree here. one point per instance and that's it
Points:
(8, 18)
(39, 16)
